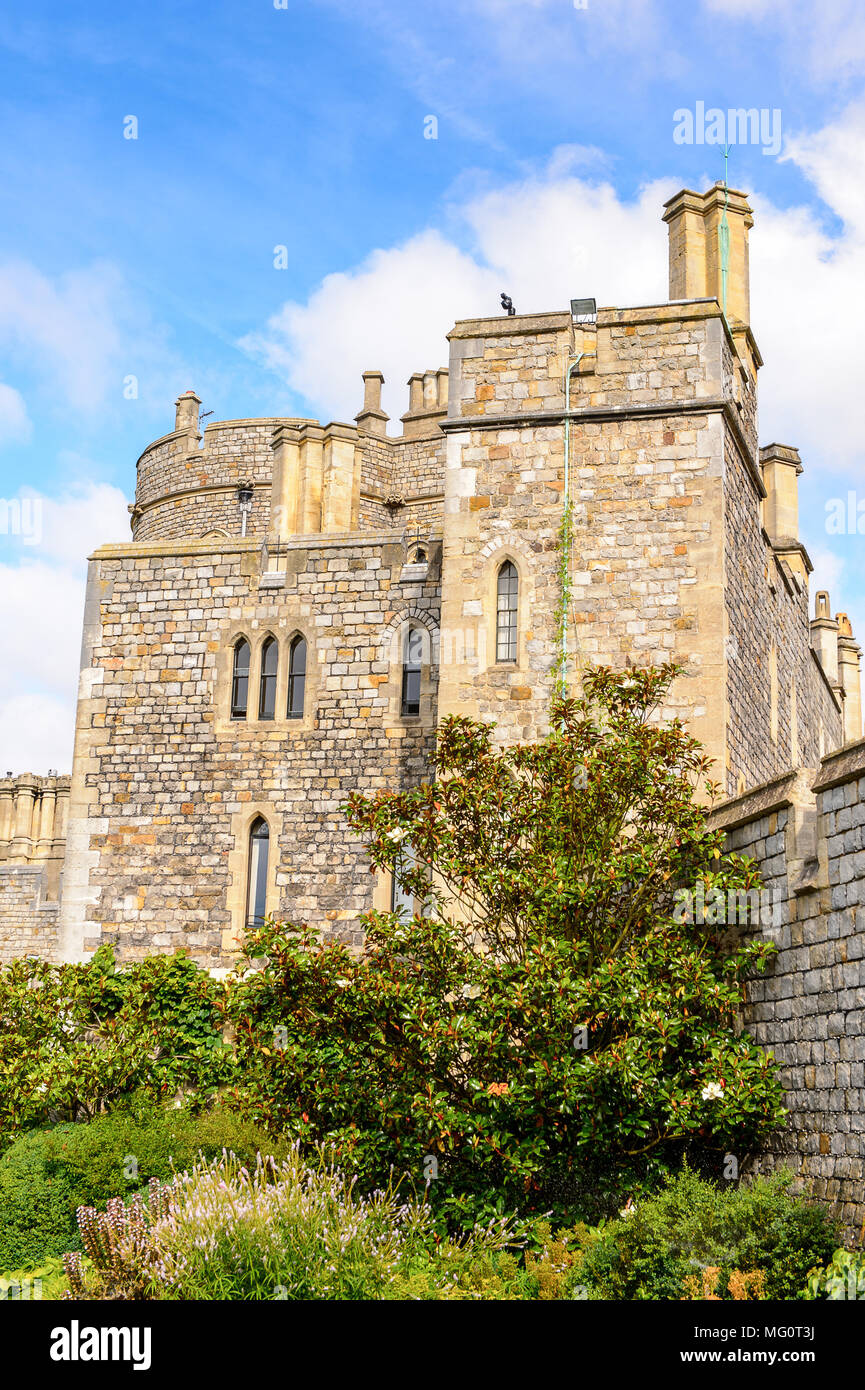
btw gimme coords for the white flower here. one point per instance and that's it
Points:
(470, 991)
(343, 984)
(396, 834)
(629, 1208)
(712, 1091)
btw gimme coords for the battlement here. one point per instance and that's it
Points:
(277, 477)
(34, 812)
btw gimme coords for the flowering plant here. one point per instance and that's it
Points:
(546, 1028)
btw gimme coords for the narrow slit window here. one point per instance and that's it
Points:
(400, 899)
(256, 894)
(240, 679)
(269, 663)
(296, 677)
(506, 612)
(411, 665)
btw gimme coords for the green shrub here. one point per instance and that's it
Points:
(76, 1039)
(842, 1278)
(47, 1174)
(288, 1230)
(47, 1281)
(692, 1225)
(551, 1030)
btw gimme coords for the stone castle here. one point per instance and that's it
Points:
(300, 604)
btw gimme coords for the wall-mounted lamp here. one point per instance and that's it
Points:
(244, 497)
(584, 310)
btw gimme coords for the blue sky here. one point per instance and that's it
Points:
(303, 127)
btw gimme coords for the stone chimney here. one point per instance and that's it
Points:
(695, 250)
(372, 418)
(428, 403)
(824, 639)
(849, 653)
(187, 407)
(781, 466)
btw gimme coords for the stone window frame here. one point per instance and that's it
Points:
(290, 649)
(393, 646)
(268, 639)
(496, 555)
(242, 822)
(508, 660)
(253, 726)
(235, 643)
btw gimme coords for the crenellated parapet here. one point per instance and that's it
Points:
(33, 815)
(277, 477)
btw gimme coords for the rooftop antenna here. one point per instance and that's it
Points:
(724, 239)
(203, 415)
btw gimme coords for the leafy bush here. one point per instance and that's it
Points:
(74, 1039)
(666, 1248)
(47, 1174)
(842, 1278)
(45, 1281)
(289, 1230)
(547, 1034)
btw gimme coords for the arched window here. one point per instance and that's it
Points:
(256, 893)
(296, 677)
(506, 612)
(240, 679)
(411, 660)
(269, 663)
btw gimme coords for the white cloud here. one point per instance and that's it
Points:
(80, 334)
(541, 240)
(826, 39)
(43, 726)
(390, 313)
(41, 609)
(15, 423)
(549, 236)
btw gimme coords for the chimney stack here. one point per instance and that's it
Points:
(187, 407)
(428, 403)
(781, 466)
(824, 639)
(372, 418)
(694, 220)
(849, 653)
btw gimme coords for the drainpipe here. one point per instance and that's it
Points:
(573, 362)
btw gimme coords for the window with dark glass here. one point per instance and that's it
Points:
(269, 663)
(256, 894)
(240, 679)
(506, 613)
(411, 663)
(296, 677)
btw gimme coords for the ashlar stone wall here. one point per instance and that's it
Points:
(806, 830)
(166, 785)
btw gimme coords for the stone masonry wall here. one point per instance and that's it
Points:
(165, 784)
(767, 608)
(184, 491)
(646, 463)
(807, 834)
(28, 923)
